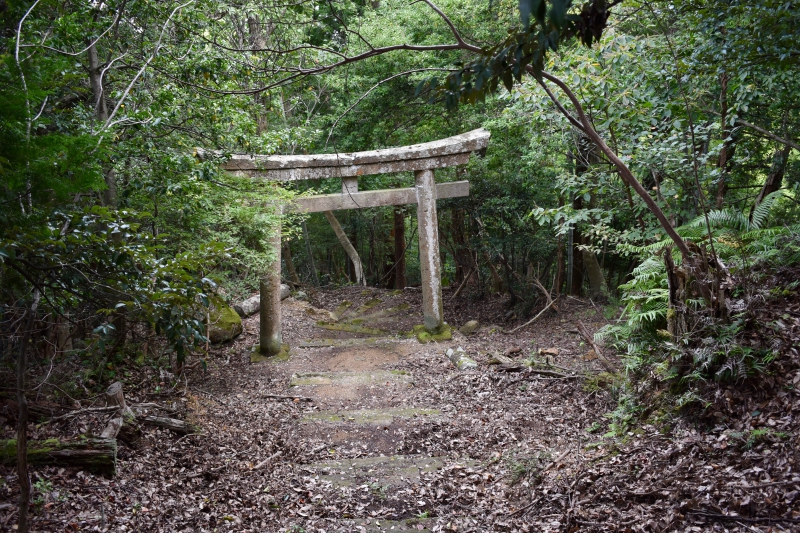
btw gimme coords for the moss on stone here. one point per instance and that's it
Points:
(257, 357)
(225, 323)
(351, 328)
(445, 333)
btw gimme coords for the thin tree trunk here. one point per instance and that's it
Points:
(22, 424)
(348, 247)
(774, 179)
(399, 248)
(287, 256)
(583, 122)
(597, 281)
(101, 114)
(561, 267)
(724, 156)
(311, 265)
(497, 281)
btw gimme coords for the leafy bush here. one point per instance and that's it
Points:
(98, 266)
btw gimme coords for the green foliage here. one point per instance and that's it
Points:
(100, 261)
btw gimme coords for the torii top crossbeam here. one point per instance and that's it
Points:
(447, 152)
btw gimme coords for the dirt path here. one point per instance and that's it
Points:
(364, 430)
(395, 438)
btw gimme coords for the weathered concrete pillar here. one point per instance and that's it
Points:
(270, 341)
(429, 264)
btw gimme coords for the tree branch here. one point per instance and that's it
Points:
(623, 169)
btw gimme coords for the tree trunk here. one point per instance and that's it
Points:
(399, 248)
(597, 281)
(774, 179)
(352, 254)
(311, 265)
(287, 256)
(93, 454)
(497, 281)
(101, 114)
(20, 447)
(676, 313)
(558, 280)
(465, 262)
(726, 152)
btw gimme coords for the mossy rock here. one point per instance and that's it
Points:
(225, 324)
(257, 357)
(445, 333)
(469, 328)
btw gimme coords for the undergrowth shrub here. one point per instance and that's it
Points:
(714, 349)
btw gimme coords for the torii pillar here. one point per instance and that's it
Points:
(270, 341)
(430, 267)
(421, 159)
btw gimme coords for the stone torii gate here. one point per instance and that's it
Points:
(422, 159)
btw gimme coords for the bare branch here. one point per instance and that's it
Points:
(767, 133)
(144, 67)
(453, 29)
(623, 169)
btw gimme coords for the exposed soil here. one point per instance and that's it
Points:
(395, 438)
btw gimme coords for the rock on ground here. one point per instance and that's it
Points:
(224, 324)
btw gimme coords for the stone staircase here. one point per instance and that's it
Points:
(362, 342)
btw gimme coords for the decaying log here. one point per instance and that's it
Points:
(112, 428)
(178, 426)
(95, 455)
(116, 398)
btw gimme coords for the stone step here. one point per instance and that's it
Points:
(340, 310)
(366, 306)
(339, 343)
(349, 378)
(378, 314)
(350, 328)
(373, 525)
(373, 473)
(370, 417)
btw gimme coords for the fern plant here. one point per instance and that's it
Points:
(740, 240)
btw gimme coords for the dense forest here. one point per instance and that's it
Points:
(642, 177)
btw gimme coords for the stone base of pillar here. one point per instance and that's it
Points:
(256, 356)
(440, 334)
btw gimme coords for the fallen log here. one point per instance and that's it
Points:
(173, 424)
(9, 409)
(252, 305)
(93, 454)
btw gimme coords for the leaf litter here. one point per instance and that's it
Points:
(515, 451)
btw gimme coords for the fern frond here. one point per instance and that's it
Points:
(761, 212)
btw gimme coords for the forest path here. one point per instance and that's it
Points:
(363, 409)
(393, 429)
